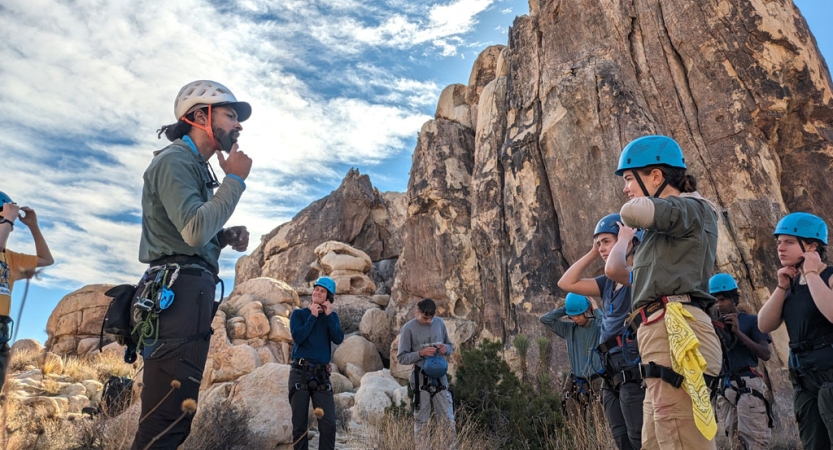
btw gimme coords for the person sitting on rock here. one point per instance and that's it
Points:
(582, 334)
(803, 301)
(15, 266)
(622, 392)
(742, 408)
(314, 329)
(423, 342)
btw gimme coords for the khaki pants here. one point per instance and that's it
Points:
(744, 418)
(667, 419)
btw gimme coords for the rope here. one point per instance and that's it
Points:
(147, 329)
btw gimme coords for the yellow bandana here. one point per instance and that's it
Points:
(687, 360)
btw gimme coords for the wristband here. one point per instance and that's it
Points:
(782, 287)
(806, 272)
(4, 220)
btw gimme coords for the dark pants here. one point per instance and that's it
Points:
(177, 355)
(299, 402)
(623, 405)
(4, 363)
(814, 413)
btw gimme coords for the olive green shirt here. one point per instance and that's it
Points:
(678, 251)
(180, 213)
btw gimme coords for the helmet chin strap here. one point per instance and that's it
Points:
(645, 190)
(207, 129)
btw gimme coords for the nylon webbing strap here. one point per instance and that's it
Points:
(667, 374)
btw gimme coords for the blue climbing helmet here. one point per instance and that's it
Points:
(650, 151)
(802, 225)
(722, 282)
(609, 224)
(329, 284)
(4, 199)
(576, 304)
(435, 366)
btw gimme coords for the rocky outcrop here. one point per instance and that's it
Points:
(356, 214)
(501, 202)
(251, 329)
(74, 326)
(347, 266)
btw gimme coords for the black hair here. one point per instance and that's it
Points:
(732, 295)
(330, 296)
(676, 177)
(427, 307)
(179, 129)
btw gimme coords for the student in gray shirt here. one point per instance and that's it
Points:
(422, 340)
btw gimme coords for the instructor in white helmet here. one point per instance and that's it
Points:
(184, 208)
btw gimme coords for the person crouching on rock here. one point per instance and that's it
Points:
(679, 347)
(803, 301)
(622, 392)
(424, 342)
(313, 330)
(582, 334)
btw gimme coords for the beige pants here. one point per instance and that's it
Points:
(668, 420)
(744, 419)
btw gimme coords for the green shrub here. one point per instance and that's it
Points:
(489, 393)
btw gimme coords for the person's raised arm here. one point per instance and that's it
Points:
(769, 316)
(822, 293)
(616, 266)
(30, 219)
(572, 281)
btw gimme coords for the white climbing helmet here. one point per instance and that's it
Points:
(197, 94)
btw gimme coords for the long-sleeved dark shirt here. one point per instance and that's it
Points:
(312, 335)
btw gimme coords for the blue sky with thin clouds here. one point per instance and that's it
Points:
(333, 85)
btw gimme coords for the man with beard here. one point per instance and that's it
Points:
(182, 235)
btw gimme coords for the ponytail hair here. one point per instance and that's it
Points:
(676, 177)
(177, 130)
(174, 131)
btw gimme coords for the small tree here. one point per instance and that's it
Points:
(521, 343)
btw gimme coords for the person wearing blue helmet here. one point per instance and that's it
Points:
(742, 407)
(622, 392)
(314, 329)
(582, 332)
(422, 342)
(15, 266)
(680, 351)
(803, 301)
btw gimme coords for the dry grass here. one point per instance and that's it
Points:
(23, 360)
(396, 432)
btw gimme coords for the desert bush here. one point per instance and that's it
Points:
(221, 427)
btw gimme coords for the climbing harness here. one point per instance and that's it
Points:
(317, 377)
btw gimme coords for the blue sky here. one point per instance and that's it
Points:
(333, 84)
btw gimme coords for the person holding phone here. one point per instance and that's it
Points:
(803, 301)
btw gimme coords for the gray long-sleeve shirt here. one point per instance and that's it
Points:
(416, 336)
(581, 341)
(180, 214)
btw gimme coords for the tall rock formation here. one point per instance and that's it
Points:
(509, 179)
(356, 214)
(518, 165)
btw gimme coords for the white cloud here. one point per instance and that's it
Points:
(85, 86)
